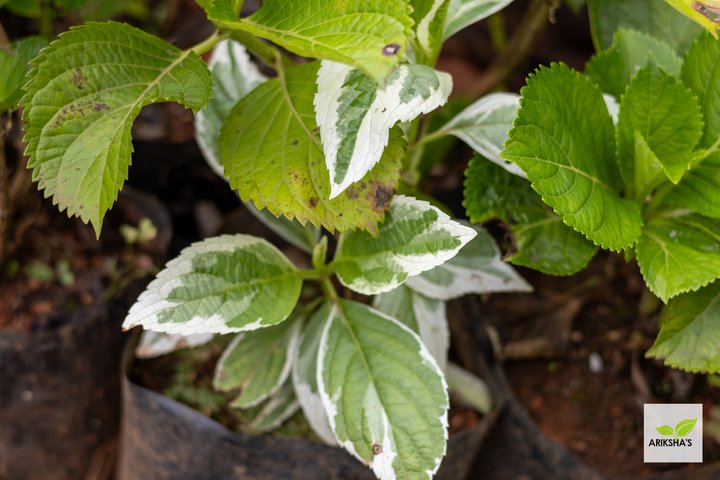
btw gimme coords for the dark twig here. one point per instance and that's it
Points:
(518, 47)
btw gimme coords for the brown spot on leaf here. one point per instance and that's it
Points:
(78, 79)
(379, 196)
(295, 142)
(352, 193)
(376, 449)
(391, 49)
(100, 107)
(313, 202)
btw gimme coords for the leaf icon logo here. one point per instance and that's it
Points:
(682, 429)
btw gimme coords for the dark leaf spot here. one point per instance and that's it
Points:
(376, 449)
(390, 49)
(78, 79)
(313, 202)
(295, 142)
(100, 107)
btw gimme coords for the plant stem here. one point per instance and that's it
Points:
(518, 47)
(47, 16)
(657, 201)
(266, 53)
(498, 37)
(330, 292)
(209, 43)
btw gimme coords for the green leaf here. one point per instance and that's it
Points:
(701, 75)
(706, 14)
(258, 362)
(225, 284)
(689, 333)
(414, 237)
(355, 114)
(484, 126)
(653, 17)
(304, 237)
(565, 144)
(371, 35)
(305, 374)
(429, 17)
(666, 430)
(272, 154)
(666, 117)
(83, 94)
(543, 242)
(14, 64)
(679, 253)
(575, 5)
(234, 76)
(469, 389)
(699, 190)
(276, 411)
(614, 68)
(684, 427)
(154, 344)
(385, 395)
(425, 316)
(477, 268)
(463, 13)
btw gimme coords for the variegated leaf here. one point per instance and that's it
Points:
(484, 126)
(230, 283)
(425, 316)
(304, 376)
(414, 238)
(468, 388)
(429, 16)
(355, 114)
(234, 76)
(154, 344)
(385, 395)
(276, 411)
(477, 268)
(258, 363)
(463, 13)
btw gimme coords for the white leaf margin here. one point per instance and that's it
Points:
(155, 344)
(482, 110)
(462, 13)
(381, 464)
(290, 354)
(228, 61)
(499, 277)
(414, 264)
(153, 300)
(386, 110)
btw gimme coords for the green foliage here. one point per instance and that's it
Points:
(371, 35)
(14, 64)
(542, 241)
(700, 74)
(659, 126)
(393, 413)
(463, 13)
(414, 237)
(563, 140)
(83, 94)
(273, 348)
(612, 69)
(653, 17)
(679, 253)
(689, 332)
(270, 150)
(220, 285)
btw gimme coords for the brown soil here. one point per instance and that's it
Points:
(551, 335)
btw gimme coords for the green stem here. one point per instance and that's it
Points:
(498, 37)
(268, 54)
(312, 274)
(209, 43)
(330, 293)
(47, 16)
